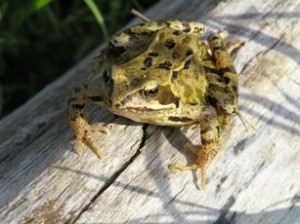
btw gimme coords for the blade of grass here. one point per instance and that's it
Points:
(98, 16)
(39, 4)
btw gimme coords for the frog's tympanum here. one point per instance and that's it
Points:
(161, 73)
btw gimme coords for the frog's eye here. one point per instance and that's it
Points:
(150, 93)
(107, 75)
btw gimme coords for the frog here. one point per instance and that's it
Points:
(162, 73)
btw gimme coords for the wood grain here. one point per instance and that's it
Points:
(256, 179)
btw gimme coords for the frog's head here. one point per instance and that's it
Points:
(139, 96)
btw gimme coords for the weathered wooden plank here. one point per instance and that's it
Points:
(255, 179)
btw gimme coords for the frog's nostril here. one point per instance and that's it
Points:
(117, 105)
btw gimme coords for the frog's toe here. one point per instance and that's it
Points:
(204, 156)
(78, 146)
(175, 167)
(91, 143)
(84, 135)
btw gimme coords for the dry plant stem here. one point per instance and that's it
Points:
(140, 15)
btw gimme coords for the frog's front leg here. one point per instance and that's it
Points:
(206, 152)
(81, 128)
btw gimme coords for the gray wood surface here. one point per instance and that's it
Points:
(255, 179)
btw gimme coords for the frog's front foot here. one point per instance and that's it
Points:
(204, 154)
(84, 135)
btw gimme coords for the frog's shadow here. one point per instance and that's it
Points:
(174, 135)
(179, 141)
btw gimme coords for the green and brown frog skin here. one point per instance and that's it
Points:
(161, 73)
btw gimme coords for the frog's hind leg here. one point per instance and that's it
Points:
(227, 74)
(211, 142)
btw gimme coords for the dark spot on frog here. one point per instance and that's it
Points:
(187, 64)
(198, 29)
(176, 32)
(170, 44)
(148, 62)
(179, 119)
(189, 52)
(224, 70)
(166, 65)
(211, 70)
(207, 141)
(186, 27)
(153, 54)
(212, 101)
(174, 74)
(175, 55)
(226, 80)
(234, 88)
(143, 68)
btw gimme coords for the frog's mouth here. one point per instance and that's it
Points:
(151, 113)
(138, 108)
(142, 106)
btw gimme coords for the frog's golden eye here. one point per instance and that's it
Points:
(107, 75)
(150, 93)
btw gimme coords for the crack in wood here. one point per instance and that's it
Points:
(113, 177)
(260, 53)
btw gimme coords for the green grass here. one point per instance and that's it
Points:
(40, 39)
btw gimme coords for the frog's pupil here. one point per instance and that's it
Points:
(153, 91)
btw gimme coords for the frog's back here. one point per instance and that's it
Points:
(135, 40)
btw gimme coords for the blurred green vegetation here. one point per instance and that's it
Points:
(40, 39)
